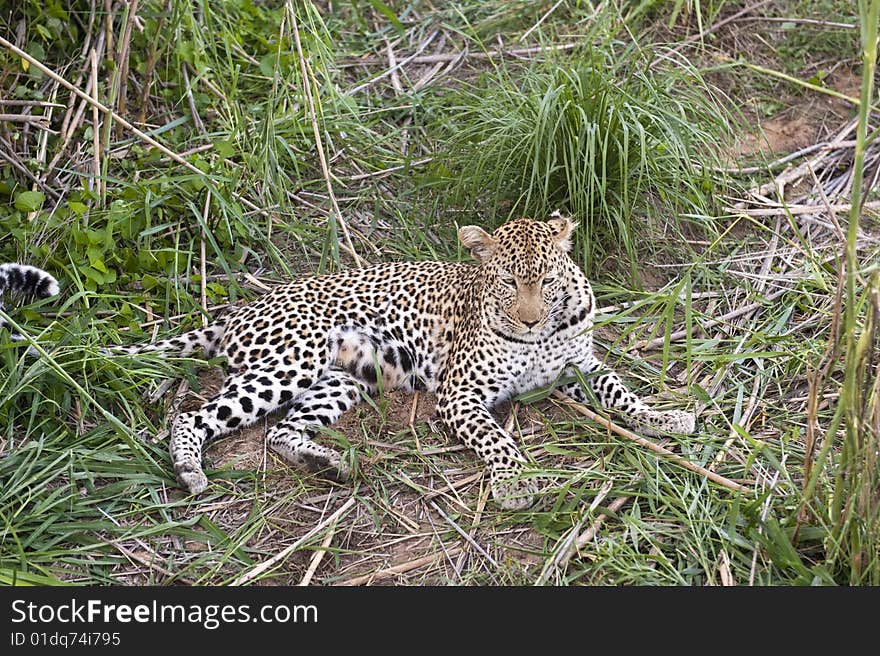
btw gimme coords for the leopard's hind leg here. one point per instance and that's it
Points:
(319, 406)
(243, 399)
(363, 360)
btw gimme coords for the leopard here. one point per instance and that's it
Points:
(475, 334)
(21, 282)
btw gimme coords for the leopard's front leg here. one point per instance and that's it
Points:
(466, 415)
(614, 395)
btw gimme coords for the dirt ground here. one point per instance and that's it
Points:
(804, 122)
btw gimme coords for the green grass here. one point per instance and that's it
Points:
(602, 137)
(853, 546)
(617, 131)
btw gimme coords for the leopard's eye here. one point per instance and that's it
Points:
(549, 280)
(510, 281)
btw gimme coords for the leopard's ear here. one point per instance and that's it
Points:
(479, 242)
(562, 227)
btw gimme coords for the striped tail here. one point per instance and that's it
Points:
(206, 339)
(25, 280)
(22, 281)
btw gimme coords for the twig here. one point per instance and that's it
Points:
(510, 422)
(727, 579)
(446, 488)
(816, 383)
(402, 567)
(424, 44)
(464, 534)
(27, 173)
(134, 556)
(800, 21)
(832, 215)
(122, 56)
(160, 390)
(281, 555)
(412, 419)
(138, 133)
(29, 103)
(75, 111)
(540, 20)
(587, 536)
(44, 136)
(108, 27)
(150, 66)
(659, 341)
(764, 511)
(96, 132)
(392, 169)
(466, 54)
(427, 77)
(651, 446)
(567, 545)
(131, 555)
(717, 26)
(191, 101)
(319, 556)
(799, 171)
(94, 103)
(481, 505)
(39, 121)
(802, 209)
(748, 170)
(213, 88)
(744, 421)
(392, 66)
(191, 151)
(203, 283)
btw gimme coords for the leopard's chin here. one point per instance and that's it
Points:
(522, 333)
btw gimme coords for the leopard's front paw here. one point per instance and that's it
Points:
(513, 493)
(681, 421)
(657, 422)
(328, 464)
(191, 477)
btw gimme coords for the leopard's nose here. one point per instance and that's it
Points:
(530, 324)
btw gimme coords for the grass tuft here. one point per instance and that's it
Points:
(619, 146)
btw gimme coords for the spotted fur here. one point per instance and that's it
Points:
(475, 335)
(21, 282)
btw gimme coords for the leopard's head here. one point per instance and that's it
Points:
(525, 267)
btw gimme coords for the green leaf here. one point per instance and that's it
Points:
(36, 51)
(29, 201)
(217, 289)
(77, 207)
(57, 11)
(43, 31)
(267, 65)
(96, 259)
(95, 237)
(700, 393)
(149, 282)
(385, 10)
(92, 274)
(224, 148)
